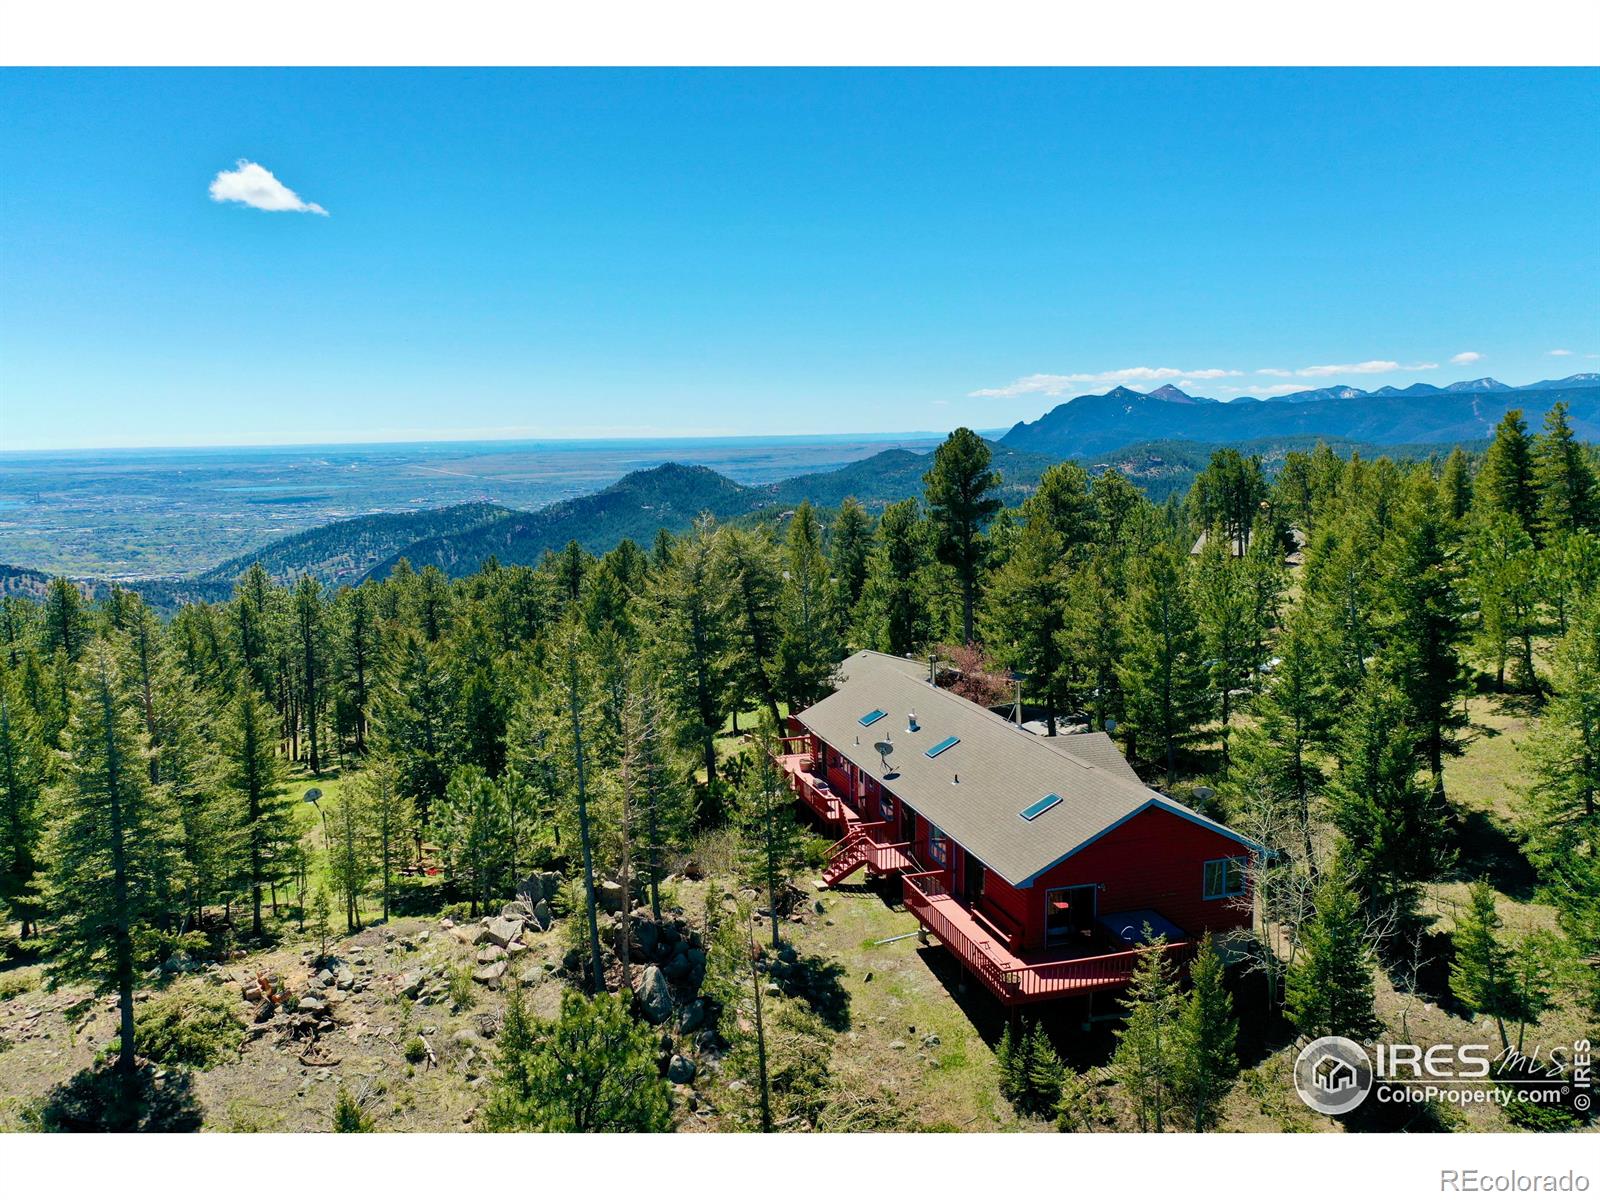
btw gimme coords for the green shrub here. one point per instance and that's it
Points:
(461, 988)
(416, 1049)
(189, 1026)
(349, 1116)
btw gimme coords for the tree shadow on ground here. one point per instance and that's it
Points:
(92, 1101)
(816, 980)
(1488, 849)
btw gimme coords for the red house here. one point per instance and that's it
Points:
(1038, 862)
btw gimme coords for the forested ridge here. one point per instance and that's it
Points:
(582, 715)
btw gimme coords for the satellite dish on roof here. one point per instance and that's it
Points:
(884, 749)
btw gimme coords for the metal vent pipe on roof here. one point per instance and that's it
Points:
(911, 722)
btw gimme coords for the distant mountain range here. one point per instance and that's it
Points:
(1460, 412)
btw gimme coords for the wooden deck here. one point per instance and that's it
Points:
(815, 792)
(1028, 978)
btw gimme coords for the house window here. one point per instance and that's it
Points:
(885, 806)
(938, 845)
(1224, 877)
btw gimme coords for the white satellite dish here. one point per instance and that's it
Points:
(884, 749)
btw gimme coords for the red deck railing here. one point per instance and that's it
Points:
(1012, 979)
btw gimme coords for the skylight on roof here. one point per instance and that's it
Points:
(935, 750)
(875, 715)
(1039, 807)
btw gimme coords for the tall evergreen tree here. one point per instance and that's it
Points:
(1329, 990)
(693, 632)
(1560, 819)
(774, 850)
(849, 548)
(1162, 671)
(755, 585)
(111, 856)
(308, 620)
(416, 727)
(1481, 974)
(264, 809)
(895, 615)
(471, 826)
(808, 645)
(1455, 485)
(1422, 624)
(1395, 835)
(23, 810)
(1024, 611)
(1208, 1034)
(1563, 480)
(959, 491)
(1149, 1045)
(1504, 582)
(1223, 606)
(67, 623)
(1505, 481)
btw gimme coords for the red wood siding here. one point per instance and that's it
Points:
(1156, 860)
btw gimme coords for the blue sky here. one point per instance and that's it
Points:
(587, 253)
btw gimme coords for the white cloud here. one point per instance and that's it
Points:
(1560, 353)
(1055, 385)
(253, 185)
(1278, 371)
(1373, 366)
(1465, 358)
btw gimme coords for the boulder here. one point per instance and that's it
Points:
(542, 918)
(692, 1017)
(655, 995)
(489, 974)
(325, 977)
(644, 936)
(519, 909)
(677, 967)
(502, 931)
(490, 954)
(681, 1069)
(531, 889)
(344, 979)
(608, 895)
(409, 984)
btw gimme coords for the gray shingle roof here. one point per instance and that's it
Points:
(1001, 769)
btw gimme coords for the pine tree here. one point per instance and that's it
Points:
(750, 563)
(1329, 989)
(1568, 570)
(693, 631)
(1568, 495)
(774, 849)
(808, 644)
(1149, 1045)
(263, 808)
(189, 766)
(1031, 1071)
(111, 856)
(1504, 583)
(1162, 671)
(1208, 1035)
(1422, 625)
(1560, 821)
(1481, 974)
(1455, 485)
(1505, 481)
(471, 828)
(894, 614)
(308, 620)
(849, 549)
(1395, 835)
(356, 655)
(67, 625)
(23, 809)
(1223, 606)
(350, 864)
(1024, 611)
(592, 1070)
(321, 922)
(959, 492)
(415, 723)
(389, 815)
